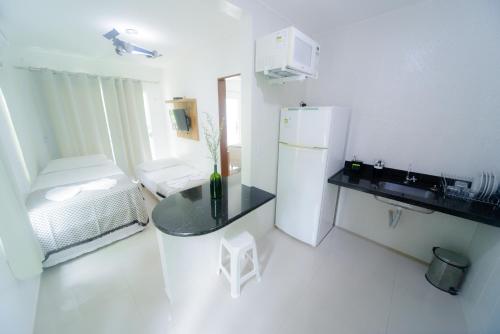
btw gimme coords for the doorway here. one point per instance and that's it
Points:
(230, 121)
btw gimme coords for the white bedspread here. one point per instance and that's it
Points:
(60, 194)
(65, 228)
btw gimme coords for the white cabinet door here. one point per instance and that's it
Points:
(308, 127)
(300, 188)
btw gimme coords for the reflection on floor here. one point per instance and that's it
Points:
(347, 285)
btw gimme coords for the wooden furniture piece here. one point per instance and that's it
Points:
(224, 158)
(190, 106)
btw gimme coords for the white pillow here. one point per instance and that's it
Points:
(150, 166)
(63, 164)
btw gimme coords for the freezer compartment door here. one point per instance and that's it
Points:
(308, 127)
(300, 189)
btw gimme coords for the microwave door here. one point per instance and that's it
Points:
(302, 53)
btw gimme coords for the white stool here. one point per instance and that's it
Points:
(238, 247)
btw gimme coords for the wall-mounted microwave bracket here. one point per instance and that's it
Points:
(395, 215)
(403, 205)
(278, 81)
(283, 75)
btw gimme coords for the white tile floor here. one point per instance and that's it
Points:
(346, 285)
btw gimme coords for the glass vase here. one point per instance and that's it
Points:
(215, 184)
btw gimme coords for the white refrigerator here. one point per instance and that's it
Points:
(311, 149)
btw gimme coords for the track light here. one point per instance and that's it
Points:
(122, 47)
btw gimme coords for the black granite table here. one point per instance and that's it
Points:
(192, 212)
(366, 182)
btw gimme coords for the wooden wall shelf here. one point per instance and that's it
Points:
(190, 106)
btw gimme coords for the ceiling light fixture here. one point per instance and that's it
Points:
(122, 47)
(131, 31)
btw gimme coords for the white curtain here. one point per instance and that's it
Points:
(76, 112)
(124, 102)
(16, 236)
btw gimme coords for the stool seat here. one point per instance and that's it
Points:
(238, 247)
(238, 241)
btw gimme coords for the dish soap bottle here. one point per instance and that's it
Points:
(378, 169)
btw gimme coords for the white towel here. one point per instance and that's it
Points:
(60, 194)
(101, 184)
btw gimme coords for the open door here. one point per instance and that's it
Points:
(230, 121)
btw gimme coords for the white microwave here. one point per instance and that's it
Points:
(287, 53)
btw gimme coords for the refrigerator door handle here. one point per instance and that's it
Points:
(304, 147)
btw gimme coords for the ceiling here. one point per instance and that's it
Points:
(321, 15)
(76, 27)
(169, 26)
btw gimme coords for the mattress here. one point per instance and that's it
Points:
(91, 245)
(164, 182)
(164, 190)
(89, 220)
(75, 176)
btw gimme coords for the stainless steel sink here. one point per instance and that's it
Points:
(407, 190)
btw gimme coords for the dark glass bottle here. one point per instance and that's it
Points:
(216, 208)
(215, 184)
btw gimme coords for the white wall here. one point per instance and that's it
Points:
(20, 256)
(18, 301)
(421, 84)
(481, 290)
(194, 75)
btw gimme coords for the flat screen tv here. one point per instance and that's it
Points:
(182, 120)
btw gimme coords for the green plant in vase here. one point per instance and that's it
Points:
(212, 138)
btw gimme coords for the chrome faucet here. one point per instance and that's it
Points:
(409, 178)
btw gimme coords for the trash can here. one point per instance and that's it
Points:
(447, 270)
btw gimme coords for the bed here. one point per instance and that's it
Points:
(90, 219)
(165, 177)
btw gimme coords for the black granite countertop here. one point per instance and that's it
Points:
(367, 182)
(192, 212)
